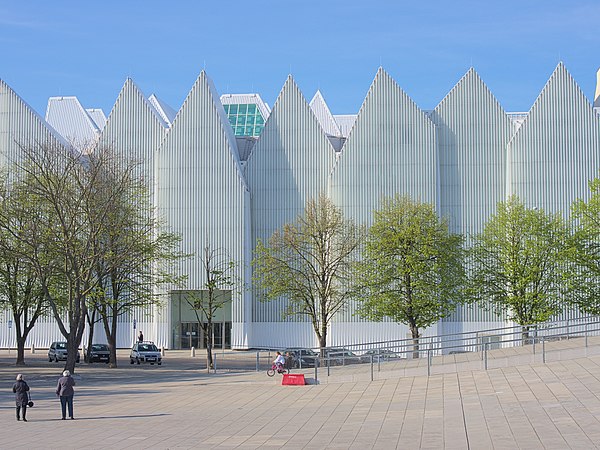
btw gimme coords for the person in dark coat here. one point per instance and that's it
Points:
(64, 389)
(141, 337)
(21, 389)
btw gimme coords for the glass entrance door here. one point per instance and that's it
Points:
(190, 334)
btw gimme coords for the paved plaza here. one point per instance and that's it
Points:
(530, 405)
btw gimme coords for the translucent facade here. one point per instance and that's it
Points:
(227, 170)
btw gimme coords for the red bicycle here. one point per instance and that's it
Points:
(277, 368)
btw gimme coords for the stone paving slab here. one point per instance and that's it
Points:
(178, 406)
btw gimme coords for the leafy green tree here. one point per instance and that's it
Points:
(221, 279)
(412, 267)
(583, 278)
(309, 263)
(518, 262)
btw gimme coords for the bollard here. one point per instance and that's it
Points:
(316, 373)
(257, 360)
(485, 350)
(162, 351)
(327, 365)
(544, 350)
(193, 352)
(428, 362)
(371, 367)
(214, 363)
(33, 348)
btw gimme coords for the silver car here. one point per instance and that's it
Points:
(58, 352)
(145, 352)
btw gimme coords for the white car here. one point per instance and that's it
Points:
(145, 352)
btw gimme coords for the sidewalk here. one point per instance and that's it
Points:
(553, 405)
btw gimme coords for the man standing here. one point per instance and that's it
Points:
(141, 337)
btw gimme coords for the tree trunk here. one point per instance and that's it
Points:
(21, 350)
(21, 336)
(209, 338)
(415, 337)
(525, 335)
(111, 336)
(90, 336)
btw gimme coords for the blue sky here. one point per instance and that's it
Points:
(88, 49)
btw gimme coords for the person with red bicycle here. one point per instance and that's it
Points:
(279, 361)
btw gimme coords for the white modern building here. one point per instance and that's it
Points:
(226, 170)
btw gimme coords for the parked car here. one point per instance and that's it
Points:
(381, 354)
(145, 352)
(303, 357)
(58, 352)
(99, 353)
(341, 357)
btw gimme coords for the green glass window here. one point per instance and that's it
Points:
(245, 119)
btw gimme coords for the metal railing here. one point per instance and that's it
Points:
(432, 350)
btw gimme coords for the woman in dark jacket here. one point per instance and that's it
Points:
(64, 389)
(20, 388)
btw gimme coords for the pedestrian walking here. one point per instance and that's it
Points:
(141, 337)
(21, 390)
(64, 389)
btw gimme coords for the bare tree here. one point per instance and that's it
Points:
(309, 263)
(20, 287)
(220, 276)
(134, 254)
(62, 245)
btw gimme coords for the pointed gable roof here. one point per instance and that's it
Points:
(390, 149)
(561, 130)
(201, 113)
(324, 116)
(20, 125)
(293, 155)
(473, 131)
(133, 127)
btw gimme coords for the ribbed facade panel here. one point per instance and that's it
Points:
(201, 192)
(473, 131)
(289, 165)
(392, 149)
(556, 151)
(135, 131)
(72, 121)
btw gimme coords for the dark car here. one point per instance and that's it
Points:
(302, 357)
(58, 352)
(98, 353)
(379, 354)
(341, 357)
